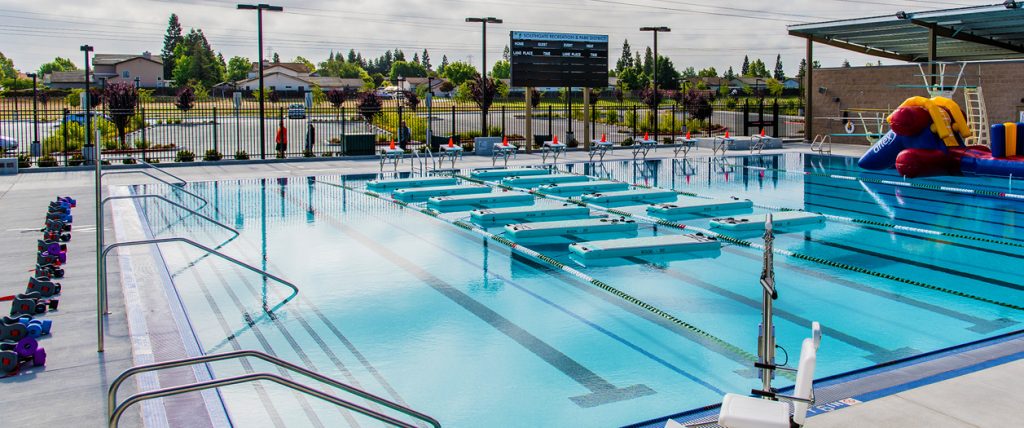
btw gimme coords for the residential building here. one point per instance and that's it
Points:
(146, 67)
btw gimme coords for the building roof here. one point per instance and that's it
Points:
(297, 67)
(973, 33)
(335, 82)
(112, 59)
(65, 77)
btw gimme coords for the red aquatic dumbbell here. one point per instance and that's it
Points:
(32, 304)
(12, 329)
(44, 286)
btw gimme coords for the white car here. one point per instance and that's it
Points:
(296, 111)
(8, 144)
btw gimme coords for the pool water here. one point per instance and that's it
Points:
(426, 314)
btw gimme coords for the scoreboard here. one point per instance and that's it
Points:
(559, 59)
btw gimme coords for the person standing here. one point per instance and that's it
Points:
(404, 135)
(310, 137)
(281, 139)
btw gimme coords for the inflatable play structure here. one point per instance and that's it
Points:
(926, 138)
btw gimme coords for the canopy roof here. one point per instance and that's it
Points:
(976, 33)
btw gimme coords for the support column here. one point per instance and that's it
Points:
(809, 93)
(932, 54)
(529, 120)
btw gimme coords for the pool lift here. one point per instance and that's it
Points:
(763, 410)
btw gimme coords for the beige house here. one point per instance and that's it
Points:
(148, 68)
(291, 79)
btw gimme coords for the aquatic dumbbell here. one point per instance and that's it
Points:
(68, 200)
(64, 217)
(56, 236)
(12, 329)
(32, 304)
(26, 350)
(44, 286)
(57, 225)
(58, 209)
(35, 328)
(50, 271)
(45, 258)
(51, 245)
(59, 204)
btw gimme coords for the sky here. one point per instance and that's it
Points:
(704, 32)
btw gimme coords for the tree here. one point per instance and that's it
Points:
(757, 68)
(377, 79)
(650, 97)
(58, 64)
(7, 70)
(336, 66)
(688, 72)
(444, 64)
(399, 55)
(186, 99)
(425, 59)
(779, 73)
(369, 105)
(745, 69)
(406, 69)
(277, 58)
(729, 74)
(502, 70)
(337, 97)
(697, 104)
(482, 94)
(633, 78)
(708, 72)
(171, 40)
(774, 87)
(309, 64)
(195, 61)
(648, 61)
(416, 58)
(459, 72)
(535, 97)
(626, 60)
(122, 98)
(411, 99)
(238, 68)
(668, 77)
(846, 63)
(801, 71)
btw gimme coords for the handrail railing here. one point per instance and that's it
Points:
(115, 417)
(112, 391)
(101, 294)
(175, 186)
(165, 172)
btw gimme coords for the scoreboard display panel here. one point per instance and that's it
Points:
(558, 60)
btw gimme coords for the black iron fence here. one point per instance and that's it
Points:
(219, 129)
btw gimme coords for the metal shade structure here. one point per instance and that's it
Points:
(977, 33)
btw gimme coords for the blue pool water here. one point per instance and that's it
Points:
(436, 317)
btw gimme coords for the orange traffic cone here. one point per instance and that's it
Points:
(555, 141)
(392, 147)
(451, 143)
(504, 141)
(726, 133)
(604, 138)
(762, 132)
(646, 137)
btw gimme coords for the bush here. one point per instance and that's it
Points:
(573, 143)
(627, 142)
(308, 154)
(76, 160)
(142, 145)
(327, 154)
(184, 156)
(46, 161)
(212, 156)
(24, 161)
(493, 131)
(241, 155)
(612, 117)
(129, 161)
(153, 160)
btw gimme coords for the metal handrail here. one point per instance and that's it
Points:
(112, 390)
(115, 417)
(190, 210)
(165, 172)
(174, 186)
(181, 182)
(101, 295)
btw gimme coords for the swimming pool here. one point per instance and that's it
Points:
(464, 329)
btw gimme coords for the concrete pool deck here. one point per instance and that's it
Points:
(71, 389)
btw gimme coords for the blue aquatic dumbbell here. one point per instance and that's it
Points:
(36, 328)
(67, 199)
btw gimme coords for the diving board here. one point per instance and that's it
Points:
(757, 221)
(482, 200)
(418, 194)
(569, 227)
(695, 206)
(493, 215)
(644, 246)
(484, 174)
(403, 183)
(636, 195)
(537, 180)
(576, 189)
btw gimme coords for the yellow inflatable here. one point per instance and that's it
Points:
(946, 115)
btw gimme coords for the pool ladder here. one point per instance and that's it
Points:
(115, 410)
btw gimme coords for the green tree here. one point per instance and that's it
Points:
(801, 71)
(774, 87)
(309, 64)
(779, 73)
(633, 78)
(459, 72)
(58, 64)
(196, 62)
(626, 60)
(729, 74)
(708, 72)
(7, 70)
(172, 38)
(406, 69)
(757, 68)
(502, 70)
(238, 68)
(425, 59)
(745, 69)
(687, 73)
(668, 76)
(648, 61)
(846, 63)
(377, 79)
(444, 64)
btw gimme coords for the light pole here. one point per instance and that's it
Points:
(259, 8)
(483, 68)
(657, 97)
(36, 149)
(430, 116)
(100, 275)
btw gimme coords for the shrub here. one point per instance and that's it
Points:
(46, 161)
(142, 145)
(153, 160)
(493, 131)
(369, 105)
(627, 142)
(212, 156)
(184, 156)
(335, 140)
(308, 154)
(76, 160)
(612, 117)
(241, 155)
(327, 154)
(129, 161)
(24, 161)
(186, 99)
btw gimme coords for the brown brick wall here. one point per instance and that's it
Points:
(1002, 84)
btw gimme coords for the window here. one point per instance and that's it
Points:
(287, 87)
(125, 74)
(273, 88)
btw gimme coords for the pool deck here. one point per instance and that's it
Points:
(71, 389)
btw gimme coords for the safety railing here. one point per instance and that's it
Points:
(175, 186)
(114, 410)
(101, 307)
(177, 205)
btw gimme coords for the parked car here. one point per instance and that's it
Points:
(8, 144)
(296, 111)
(79, 118)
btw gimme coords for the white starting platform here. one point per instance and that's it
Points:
(553, 149)
(452, 153)
(494, 215)
(537, 180)
(720, 143)
(404, 183)
(758, 142)
(577, 189)
(419, 194)
(482, 200)
(489, 173)
(600, 148)
(757, 221)
(684, 145)
(644, 246)
(543, 229)
(504, 151)
(391, 156)
(697, 206)
(636, 195)
(642, 147)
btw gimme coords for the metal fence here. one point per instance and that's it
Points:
(216, 129)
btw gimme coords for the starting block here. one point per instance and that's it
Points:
(553, 148)
(451, 152)
(643, 147)
(392, 155)
(600, 148)
(721, 143)
(503, 150)
(684, 144)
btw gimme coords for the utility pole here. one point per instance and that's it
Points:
(259, 8)
(657, 96)
(483, 67)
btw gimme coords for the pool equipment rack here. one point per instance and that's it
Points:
(115, 411)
